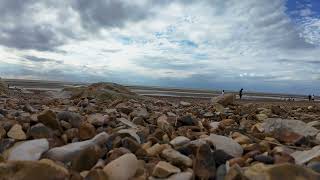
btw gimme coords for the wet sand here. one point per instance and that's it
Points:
(159, 92)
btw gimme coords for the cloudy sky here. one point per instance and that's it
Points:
(259, 45)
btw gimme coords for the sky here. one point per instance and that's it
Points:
(258, 45)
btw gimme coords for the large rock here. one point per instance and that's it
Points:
(17, 133)
(70, 151)
(289, 137)
(28, 150)
(28, 170)
(278, 124)
(226, 144)
(164, 169)
(176, 158)
(102, 92)
(302, 157)
(48, 118)
(122, 168)
(280, 172)
(226, 99)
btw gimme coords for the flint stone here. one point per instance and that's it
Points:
(280, 172)
(48, 118)
(70, 151)
(39, 131)
(313, 123)
(17, 133)
(127, 122)
(97, 119)
(122, 168)
(164, 169)
(140, 112)
(226, 144)
(86, 131)
(176, 157)
(185, 104)
(179, 141)
(132, 133)
(181, 176)
(30, 170)
(302, 157)
(204, 164)
(277, 124)
(28, 150)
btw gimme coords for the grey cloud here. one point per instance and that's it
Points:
(110, 13)
(299, 61)
(19, 30)
(39, 37)
(40, 60)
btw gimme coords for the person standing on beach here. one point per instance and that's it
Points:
(309, 97)
(222, 92)
(240, 93)
(312, 97)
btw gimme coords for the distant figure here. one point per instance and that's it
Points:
(240, 93)
(312, 97)
(309, 97)
(222, 92)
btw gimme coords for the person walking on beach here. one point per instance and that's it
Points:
(222, 93)
(309, 97)
(240, 93)
(312, 97)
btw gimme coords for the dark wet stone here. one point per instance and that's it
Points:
(221, 172)
(48, 118)
(130, 144)
(73, 118)
(185, 150)
(188, 121)
(315, 166)
(4, 112)
(264, 159)
(39, 131)
(6, 144)
(204, 166)
(96, 174)
(221, 157)
(86, 159)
